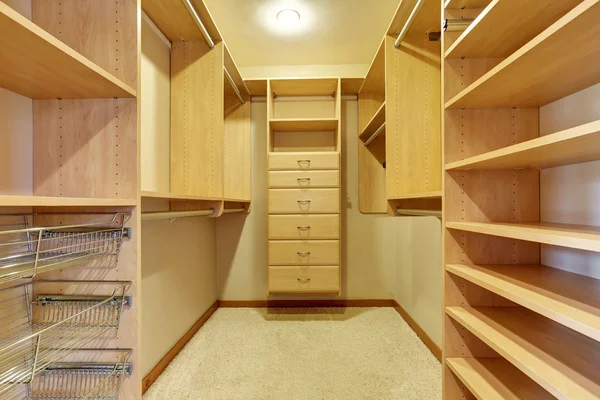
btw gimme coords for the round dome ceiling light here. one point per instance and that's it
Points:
(288, 17)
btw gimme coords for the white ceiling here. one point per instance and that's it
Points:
(330, 31)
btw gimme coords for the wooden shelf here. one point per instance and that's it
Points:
(582, 237)
(570, 299)
(427, 19)
(37, 65)
(542, 71)
(45, 201)
(304, 125)
(173, 196)
(571, 146)
(374, 124)
(496, 379)
(560, 360)
(458, 4)
(424, 195)
(506, 25)
(304, 86)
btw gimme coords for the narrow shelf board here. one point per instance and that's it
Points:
(231, 66)
(570, 299)
(304, 86)
(460, 4)
(237, 200)
(560, 360)
(423, 195)
(351, 85)
(174, 20)
(506, 25)
(173, 196)
(428, 18)
(256, 87)
(46, 201)
(572, 146)
(496, 379)
(374, 124)
(541, 71)
(37, 65)
(582, 237)
(302, 125)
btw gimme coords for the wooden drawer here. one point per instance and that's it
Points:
(304, 226)
(304, 161)
(317, 279)
(304, 252)
(304, 179)
(304, 201)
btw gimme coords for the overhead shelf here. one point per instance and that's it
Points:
(427, 19)
(304, 125)
(35, 64)
(45, 201)
(506, 25)
(570, 299)
(531, 343)
(571, 146)
(496, 379)
(424, 195)
(459, 4)
(542, 70)
(374, 124)
(582, 237)
(173, 196)
(304, 86)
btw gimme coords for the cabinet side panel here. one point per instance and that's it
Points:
(237, 154)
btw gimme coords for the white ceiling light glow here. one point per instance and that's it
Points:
(288, 17)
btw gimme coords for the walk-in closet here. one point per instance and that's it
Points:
(299, 199)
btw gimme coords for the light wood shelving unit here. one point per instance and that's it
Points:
(515, 328)
(399, 118)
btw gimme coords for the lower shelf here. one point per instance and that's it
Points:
(46, 201)
(300, 279)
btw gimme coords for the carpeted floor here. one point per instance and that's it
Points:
(306, 354)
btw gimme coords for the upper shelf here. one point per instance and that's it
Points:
(428, 18)
(571, 146)
(173, 196)
(374, 124)
(45, 201)
(424, 195)
(37, 65)
(542, 71)
(506, 25)
(258, 87)
(304, 125)
(452, 4)
(304, 86)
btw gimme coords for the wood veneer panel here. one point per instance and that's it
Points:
(237, 156)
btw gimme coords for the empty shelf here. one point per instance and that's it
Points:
(423, 195)
(571, 146)
(374, 124)
(542, 70)
(43, 201)
(304, 125)
(582, 237)
(37, 65)
(496, 379)
(173, 196)
(466, 3)
(304, 87)
(560, 360)
(570, 299)
(506, 25)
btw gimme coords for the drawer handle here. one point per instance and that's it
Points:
(303, 179)
(303, 201)
(303, 253)
(303, 280)
(304, 227)
(304, 162)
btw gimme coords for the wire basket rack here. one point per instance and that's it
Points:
(28, 251)
(37, 336)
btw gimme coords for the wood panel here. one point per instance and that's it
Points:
(371, 176)
(304, 226)
(304, 201)
(304, 125)
(304, 87)
(197, 125)
(314, 279)
(304, 252)
(303, 179)
(237, 155)
(427, 20)
(304, 161)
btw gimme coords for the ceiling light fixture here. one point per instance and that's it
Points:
(288, 17)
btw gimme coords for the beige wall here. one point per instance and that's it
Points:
(178, 258)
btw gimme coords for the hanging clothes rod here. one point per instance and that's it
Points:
(408, 23)
(233, 210)
(374, 135)
(198, 22)
(235, 88)
(148, 216)
(457, 24)
(418, 213)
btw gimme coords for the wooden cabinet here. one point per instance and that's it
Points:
(303, 148)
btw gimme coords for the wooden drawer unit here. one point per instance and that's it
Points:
(304, 226)
(304, 201)
(304, 179)
(315, 279)
(304, 252)
(303, 161)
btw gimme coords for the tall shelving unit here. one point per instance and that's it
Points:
(399, 117)
(514, 328)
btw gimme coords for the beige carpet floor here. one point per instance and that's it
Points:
(307, 354)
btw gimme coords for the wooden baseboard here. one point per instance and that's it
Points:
(435, 350)
(164, 362)
(305, 303)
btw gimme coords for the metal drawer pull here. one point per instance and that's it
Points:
(303, 253)
(304, 227)
(304, 162)
(303, 179)
(303, 280)
(303, 201)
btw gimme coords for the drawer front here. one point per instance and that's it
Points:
(304, 201)
(304, 179)
(303, 161)
(304, 252)
(317, 279)
(304, 226)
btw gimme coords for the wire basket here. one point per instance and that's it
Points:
(26, 252)
(36, 336)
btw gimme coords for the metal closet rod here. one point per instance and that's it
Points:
(211, 44)
(409, 22)
(418, 213)
(457, 24)
(233, 210)
(374, 135)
